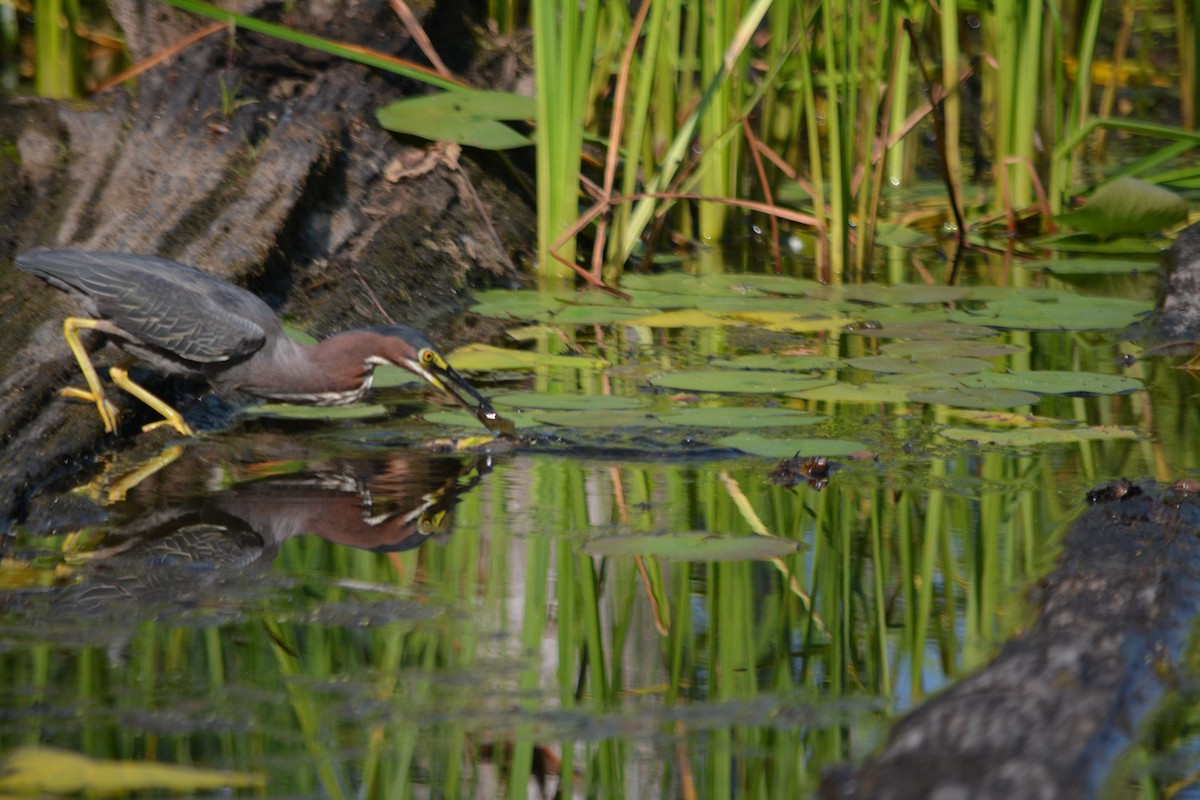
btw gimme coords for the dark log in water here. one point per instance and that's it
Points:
(1051, 714)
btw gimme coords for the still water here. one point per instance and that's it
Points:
(627, 603)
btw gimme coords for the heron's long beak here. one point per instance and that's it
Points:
(446, 378)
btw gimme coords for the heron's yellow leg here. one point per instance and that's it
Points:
(108, 413)
(170, 416)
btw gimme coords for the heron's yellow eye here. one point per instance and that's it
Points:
(427, 356)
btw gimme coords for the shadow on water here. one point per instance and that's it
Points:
(624, 599)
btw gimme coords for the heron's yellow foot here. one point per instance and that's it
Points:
(170, 416)
(108, 412)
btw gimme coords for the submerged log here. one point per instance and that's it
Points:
(1050, 715)
(259, 161)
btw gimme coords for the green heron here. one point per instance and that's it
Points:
(186, 322)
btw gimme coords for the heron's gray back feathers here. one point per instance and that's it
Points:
(159, 302)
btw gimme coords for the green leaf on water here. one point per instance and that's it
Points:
(782, 447)
(917, 331)
(951, 349)
(692, 546)
(1127, 206)
(461, 418)
(740, 417)
(1087, 243)
(779, 363)
(1092, 266)
(1026, 437)
(521, 304)
(471, 118)
(794, 322)
(889, 234)
(591, 418)
(911, 366)
(1065, 312)
(736, 381)
(323, 413)
(842, 392)
(594, 315)
(478, 356)
(557, 402)
(905, 294)
(725, 284)
(681, 318)
(968, 397)
(1075, 384)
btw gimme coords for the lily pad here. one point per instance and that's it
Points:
(486, 357)
(1127, 206)
(461, 418)
(556, 402)
(905, 294)
(1092, 266)
(780, 363)
(472, 118)
(783, 447)
(842, 392)
(775, 284)
(1026, 437)
(593, 315)
(740, 417)
(324, 413)
(898, 364)
(794, 322)
(951, 349)
(1074, 384)
(968, 397)
(692, 546)
(588, 418)
(1065, 312)
(736, 381)
(917, 331)
(681, 318)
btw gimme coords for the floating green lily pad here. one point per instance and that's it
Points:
(923, 380)
(910, 366)
(905, 294)
(793, 322)
(967, 397)
(593, 315)
(890, 234)
(780, 363)
(1026, 437)
(1075, 384)
(692, 546)
(1066, 312)
(557, 402)
(486, 357)
(775, 284)
(736, 381)
(461, 418)
(783, 447)
(1127, 206)
(1093, 266)
(917, 331)
(740, 417)
(1087, 243)
(682, 318)
(842, 392)
(506, 304)
(590, 418)
(323, 413)
(951, 349)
